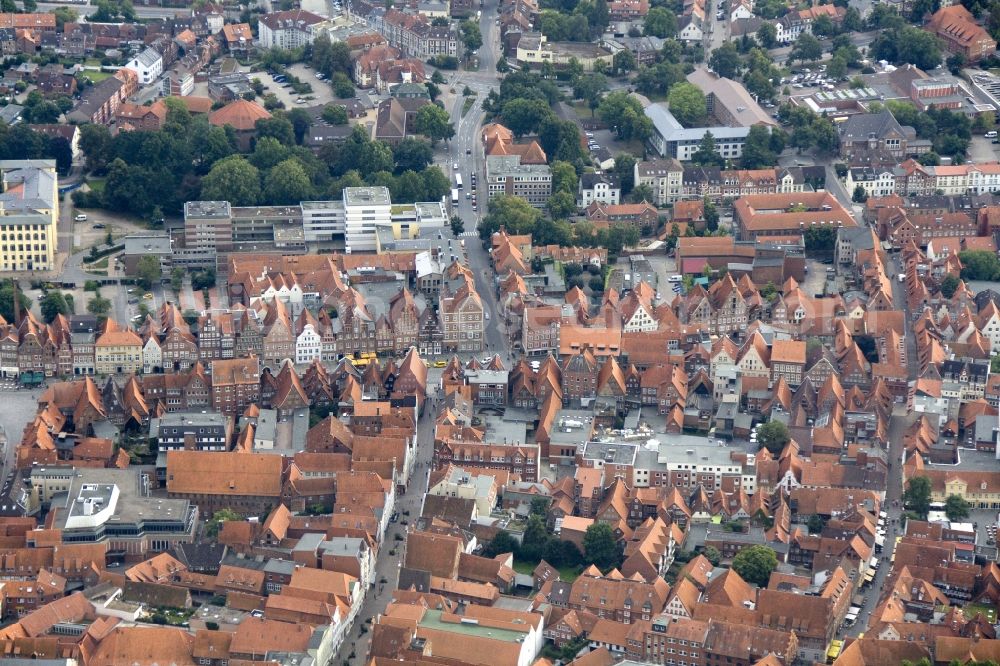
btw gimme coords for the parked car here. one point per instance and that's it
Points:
(80, 218)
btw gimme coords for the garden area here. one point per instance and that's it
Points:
(538, 543)
(989, 612)
(567, 573)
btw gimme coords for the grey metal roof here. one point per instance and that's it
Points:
(863, 125)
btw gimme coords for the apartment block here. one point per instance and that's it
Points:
(29, 212)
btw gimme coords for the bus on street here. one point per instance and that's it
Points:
(458, 180)
(454, 197)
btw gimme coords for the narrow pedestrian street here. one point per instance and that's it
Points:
(391, 551)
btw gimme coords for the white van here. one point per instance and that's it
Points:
(992, 134)
(675, 278)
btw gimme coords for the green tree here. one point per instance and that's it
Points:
(335, 114)
(836, 68)
(641, 193)
(7, 301)
(564, 178)
(949, 285)
(203, 279)
(755, 564)
(816, 523)
(113, 11)
(435, 184)
(329, 57)
(624, 169)
(660, 23)
(688, 104)
(860, 195)
(819, 241)
(148, 271)
(432, 121)
(177, 278)
(623, 62)
(232, 179)
(712, 554)
(561, 205)
(513, 213)
(64, 15)
(52, 305)
(279, 127)
(852, 21)
(503, 542)
(524, 116)
(342, 86)
(917, 496)
(560, 139)
(725, 60)
(907, 44)
(711, 215)
(806, 48)
(589, 87)
(923, 9)
(268, 152)
(534, 539)
(625, 115)
(99, 306)
(472, 37)
(707, 155)
(95, 142)
(214, 524)
(457, 225)
(956, 508)
(539, 506)
(979, 265)
(773, 436)
(287, 183)
(301, 120)
(757, 152)
(600, 546)
(824, 26)
(767, 35)
(412, 154)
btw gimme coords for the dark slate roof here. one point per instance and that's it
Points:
(859, 127)
(201, 557)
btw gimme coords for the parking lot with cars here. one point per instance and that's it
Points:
(282, 89)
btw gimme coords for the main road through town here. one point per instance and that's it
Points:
(466, 151)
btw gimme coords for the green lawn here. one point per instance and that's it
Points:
(467, 104)
(567, 574)
(96, 76)
(96, 184)
(103, 263)
(989, 612)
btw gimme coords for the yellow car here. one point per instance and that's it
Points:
(440, 364)
(148, 297)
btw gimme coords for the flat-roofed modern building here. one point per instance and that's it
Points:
(505, 174)
(114, 506)
(364, 209)
(29, 212)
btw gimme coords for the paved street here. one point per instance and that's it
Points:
(466, 139)
(388, 565)
(893, 506)
(141, 11)
(466, 150)
(17, 409)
